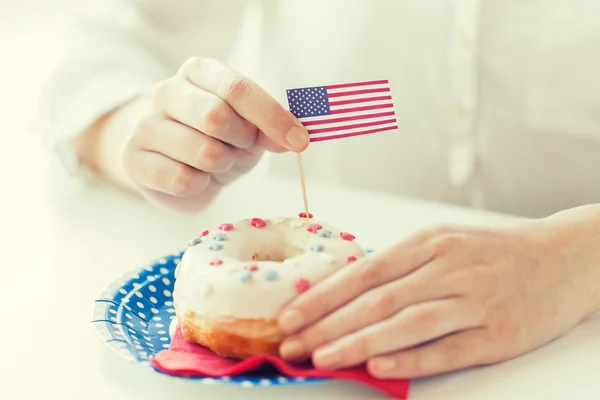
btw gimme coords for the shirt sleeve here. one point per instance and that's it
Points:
(114, 53)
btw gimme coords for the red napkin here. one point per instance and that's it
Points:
(191, 360)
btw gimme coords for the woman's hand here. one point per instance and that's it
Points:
(449, 298)
(207, 125)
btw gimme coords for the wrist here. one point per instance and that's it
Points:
(574, 236)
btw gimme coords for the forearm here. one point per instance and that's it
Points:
(100, 146)
(577, 231)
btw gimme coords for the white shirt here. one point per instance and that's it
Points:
(498, 102)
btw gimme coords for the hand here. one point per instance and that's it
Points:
(207, 126)
(448, 298)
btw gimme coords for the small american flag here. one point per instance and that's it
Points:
(344, 110)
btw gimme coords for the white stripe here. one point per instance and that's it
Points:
(344, 123)
(355, 130)
(360, 96)
(325, 118)
(355, 88)
(366, 104)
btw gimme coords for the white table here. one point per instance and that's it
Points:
(65, 245)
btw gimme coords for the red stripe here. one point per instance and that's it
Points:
(346, 135)
(344, 119)
(355, 92)
(361, 100)
(344, 127)
(344, 85)
(365, 108)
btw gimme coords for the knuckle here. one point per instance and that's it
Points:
(276, 117)
(142, 128)
(370, 275)
(314, 337)
(182, 181)
(438, 230)
(505, 329)
(460, 276)
(381, 304)
(454, 353)
(126, 158)
(236, 88)
(159, 93)
(361, 346)
(213, 156)
(445, 242)
(215, 116)
(415, 364)
(422, 320)
(191, 64)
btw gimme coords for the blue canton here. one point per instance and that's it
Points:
(308, 102)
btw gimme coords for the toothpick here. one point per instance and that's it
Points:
(303, 183)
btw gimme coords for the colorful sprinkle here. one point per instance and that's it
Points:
(303, 215)
(278, 220)
(226, 227)
(347, 236)
(251, 267)
(296, 223)
(216, 262)
(314, 228)
(220, 236)
(324, 233)
(204, 233)
(316, 247)
(302, 285)
(215, 246)
(194, 241)
(258, 223)
(351, 259)
(270, 275)
(245, 276)
(367, 251)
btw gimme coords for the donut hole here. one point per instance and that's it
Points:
(277, 251)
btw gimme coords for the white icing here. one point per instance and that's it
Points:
(173, 326)
(278, 220)
(328, 258)
(218, 291)
(296, 223)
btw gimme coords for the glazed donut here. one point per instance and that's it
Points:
(232, 282)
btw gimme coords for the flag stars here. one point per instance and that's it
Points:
(308, 102)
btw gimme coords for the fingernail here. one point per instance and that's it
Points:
(291, 321)
(291, 349)
(297, 138)
(384, 365)
(328, 357)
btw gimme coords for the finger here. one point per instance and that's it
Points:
(411, 327)
(457, 351)
(265, 142)
(249, 100)
(371, 307)
(160, 173)
(203, 111)
(352, 281)
(184, 144)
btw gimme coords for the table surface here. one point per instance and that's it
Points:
(66, 243)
